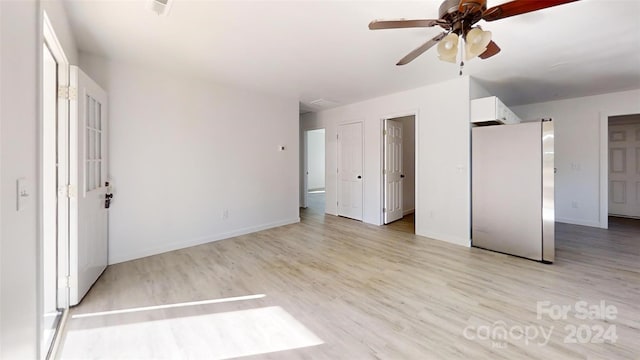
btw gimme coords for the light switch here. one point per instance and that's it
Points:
(21, 193)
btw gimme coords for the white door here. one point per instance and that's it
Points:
(393, 176)
(350, 171)
(624, 170)
(88, 174)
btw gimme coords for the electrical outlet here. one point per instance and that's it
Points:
(574, 204)
(225, 214)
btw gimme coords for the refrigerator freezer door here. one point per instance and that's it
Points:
(507, 189)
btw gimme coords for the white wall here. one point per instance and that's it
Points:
(315, 159)
(578, 151)
(477, 91)
(183, 150)
(442, 148)
(1, 179)
(19, 97)
(60, 22)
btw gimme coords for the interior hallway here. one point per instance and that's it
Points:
(316, 202)
(340, 289)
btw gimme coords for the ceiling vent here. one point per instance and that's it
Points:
(323, 103)
(160, 7)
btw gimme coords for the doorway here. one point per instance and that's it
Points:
(314, 183)
(624, 166)
(398, 171)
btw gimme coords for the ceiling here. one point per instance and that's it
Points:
(314, 50)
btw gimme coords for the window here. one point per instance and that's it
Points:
(93, 142)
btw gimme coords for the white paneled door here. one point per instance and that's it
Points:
(624, 169)
(393, 176)
(350, 171)
(88, 174)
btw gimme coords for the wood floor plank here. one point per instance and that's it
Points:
(377, 292)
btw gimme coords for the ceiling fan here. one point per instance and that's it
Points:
(457, 18)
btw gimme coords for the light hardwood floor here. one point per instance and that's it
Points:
(406, 224)
(365, 292)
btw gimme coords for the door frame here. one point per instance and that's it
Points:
(604, 166)
(50, 40)
(305, 166)
(392, 116)
(338, 163)
(63, 149)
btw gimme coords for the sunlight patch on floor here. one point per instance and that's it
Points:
(169, 306)
(208, 336)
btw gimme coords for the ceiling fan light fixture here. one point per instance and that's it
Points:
(160, 7)
(476, 42)
(448, 48)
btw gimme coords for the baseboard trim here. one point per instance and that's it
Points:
(198, 241)
(578, 222)
(446, 238)
(407, 212)
(625, 216)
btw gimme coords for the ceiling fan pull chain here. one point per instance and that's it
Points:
(462, 54)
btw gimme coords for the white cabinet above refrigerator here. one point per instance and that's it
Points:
(490, 111)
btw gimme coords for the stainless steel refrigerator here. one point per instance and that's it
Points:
(513, 189)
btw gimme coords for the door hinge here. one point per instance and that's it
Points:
(384, 210)
(337, 136)
(71, 191)
(384, 172)
(67, 92)
(64, 282)
(384, 132)
(67, 191)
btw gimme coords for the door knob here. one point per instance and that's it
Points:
(401, 175)
(359, 177)
(107, 199)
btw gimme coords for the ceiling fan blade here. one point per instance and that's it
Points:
(421, 49)
(402, 23)
(518, 7)
(492, 49)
